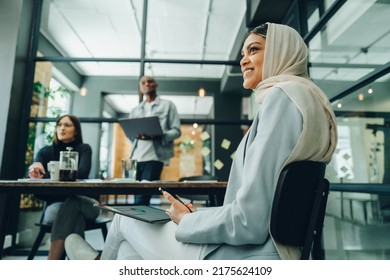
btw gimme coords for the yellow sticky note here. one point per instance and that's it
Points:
(205, 151)
(186, 139)
(218, 164)
(225, 144)
(204, 135)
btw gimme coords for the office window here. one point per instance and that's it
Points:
(52, 102)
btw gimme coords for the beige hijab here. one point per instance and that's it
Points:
(285, 66)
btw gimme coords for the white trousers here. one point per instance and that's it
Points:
(132, 239)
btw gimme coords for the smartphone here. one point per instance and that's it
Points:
(176, 197)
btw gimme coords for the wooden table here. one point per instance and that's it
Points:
(94, 187)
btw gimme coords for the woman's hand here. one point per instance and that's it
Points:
(177, 209)
(36, 170)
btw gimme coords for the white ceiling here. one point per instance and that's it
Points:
(176, 29)
(358, 35)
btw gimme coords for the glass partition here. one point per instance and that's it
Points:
(359, 157)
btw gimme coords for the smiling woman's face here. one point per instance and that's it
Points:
(252, 60)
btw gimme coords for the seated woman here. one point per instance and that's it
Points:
(68, 214)
(294, 122)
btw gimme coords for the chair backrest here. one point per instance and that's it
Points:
(199, 178)
(299, 206)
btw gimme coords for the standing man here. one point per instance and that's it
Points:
(152, 153)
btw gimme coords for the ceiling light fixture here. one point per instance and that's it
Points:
(370, 91)
(201, 92)
(83, 91)
(339, 105)
(361, 96)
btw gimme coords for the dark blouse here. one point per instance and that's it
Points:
(52, 153)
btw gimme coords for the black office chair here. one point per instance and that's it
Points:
(100, 223)
(299, 206)
(211, 200)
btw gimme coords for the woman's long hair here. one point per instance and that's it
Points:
(77, 132)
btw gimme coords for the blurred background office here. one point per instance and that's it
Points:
(86, 57)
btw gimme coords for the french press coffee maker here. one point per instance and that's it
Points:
(69, 161)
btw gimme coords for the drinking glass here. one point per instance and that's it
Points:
(129, 169)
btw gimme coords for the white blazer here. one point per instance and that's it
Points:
(240, 228)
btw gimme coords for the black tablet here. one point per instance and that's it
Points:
(143, 213)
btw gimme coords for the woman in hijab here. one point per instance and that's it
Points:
(294, 122)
